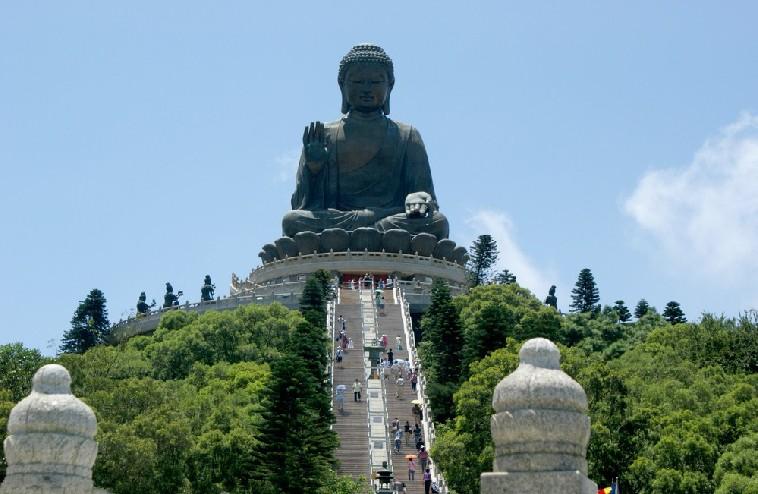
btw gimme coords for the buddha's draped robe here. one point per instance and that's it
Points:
(371, 195)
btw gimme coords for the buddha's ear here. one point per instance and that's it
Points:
(386, 107)
(345, 105)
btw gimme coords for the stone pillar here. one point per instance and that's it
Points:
(540, 428)
(50, 448)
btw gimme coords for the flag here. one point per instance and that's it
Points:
(615, 488)
(605, 490)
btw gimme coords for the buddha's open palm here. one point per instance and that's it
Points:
(418, 204)
(314, 146)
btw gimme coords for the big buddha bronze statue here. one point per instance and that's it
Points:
(364, 170)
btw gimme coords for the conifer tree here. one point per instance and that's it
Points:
(441, 327)
(483, 256)
(313, 301)
(673, 313)
(89, 325)
(641, 309)
(504, 277)
(585, 295)
(441, 350)
(622, 311)
(299, 444)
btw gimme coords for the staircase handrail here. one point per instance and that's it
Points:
(415, 362)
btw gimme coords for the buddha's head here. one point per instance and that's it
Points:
(366, 79)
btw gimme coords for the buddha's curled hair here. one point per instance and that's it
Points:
(366, 53)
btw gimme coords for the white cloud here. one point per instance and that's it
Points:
(512, 258)
(704, 215)
(285, 166)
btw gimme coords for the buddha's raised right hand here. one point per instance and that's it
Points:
(314, 146)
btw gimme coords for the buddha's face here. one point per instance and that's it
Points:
(366, 87)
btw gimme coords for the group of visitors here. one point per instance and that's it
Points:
(343, 342)
(368, 279)
(421, 458)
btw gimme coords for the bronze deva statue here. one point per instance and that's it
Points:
(208, 289)
(551, 299)
(142, 306)
(364, 170)
(170, 299)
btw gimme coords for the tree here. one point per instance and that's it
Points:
(623, 313)
(299, 449)
(641, 309)
(441, 349)
(674, 313)
(89, 326)
(313, 300)
(585, 295)
(17, 366)
(504, 277)
(325, 279)
(483, 257)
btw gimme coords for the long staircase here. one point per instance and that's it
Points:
(351, 425)
(364, 427)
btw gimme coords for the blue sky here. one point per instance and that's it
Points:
(146, 142)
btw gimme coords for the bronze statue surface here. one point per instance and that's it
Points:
(364, 170)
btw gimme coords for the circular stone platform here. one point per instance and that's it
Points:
(400, 265)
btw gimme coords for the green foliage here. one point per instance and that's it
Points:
(585, 295)
(344, 484)
(89, 325)
(504, 277)
(440, 350)
(490, 314)
(483, 254)
(737, 468)
(204, 405)
(314, 298)
(247, 334)
(17, 366)
(299, 442)
(641, 308)
(672, 407)
(622, 311)
(674, 313)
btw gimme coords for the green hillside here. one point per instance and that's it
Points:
(674, 408)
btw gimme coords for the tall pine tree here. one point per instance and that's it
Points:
(673, 313)
(504, 277)
(89, 325)
(641, 309)
(622, 311)
(441, 349)
(299, 444)
(313, 301)
(483, 255)
(585, 295)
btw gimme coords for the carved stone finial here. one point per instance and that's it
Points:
(50, 448)
(540, 428)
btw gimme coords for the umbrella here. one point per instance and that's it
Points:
(341, 388)
(410, 457)
(417, 402)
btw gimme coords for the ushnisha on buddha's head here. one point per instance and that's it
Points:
(366, 78)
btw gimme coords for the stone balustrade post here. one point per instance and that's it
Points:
(540, 428)
(50, 448)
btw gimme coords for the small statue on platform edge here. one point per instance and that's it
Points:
(551, 299)
(208, 289)
(169, 299)
(142, 306)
